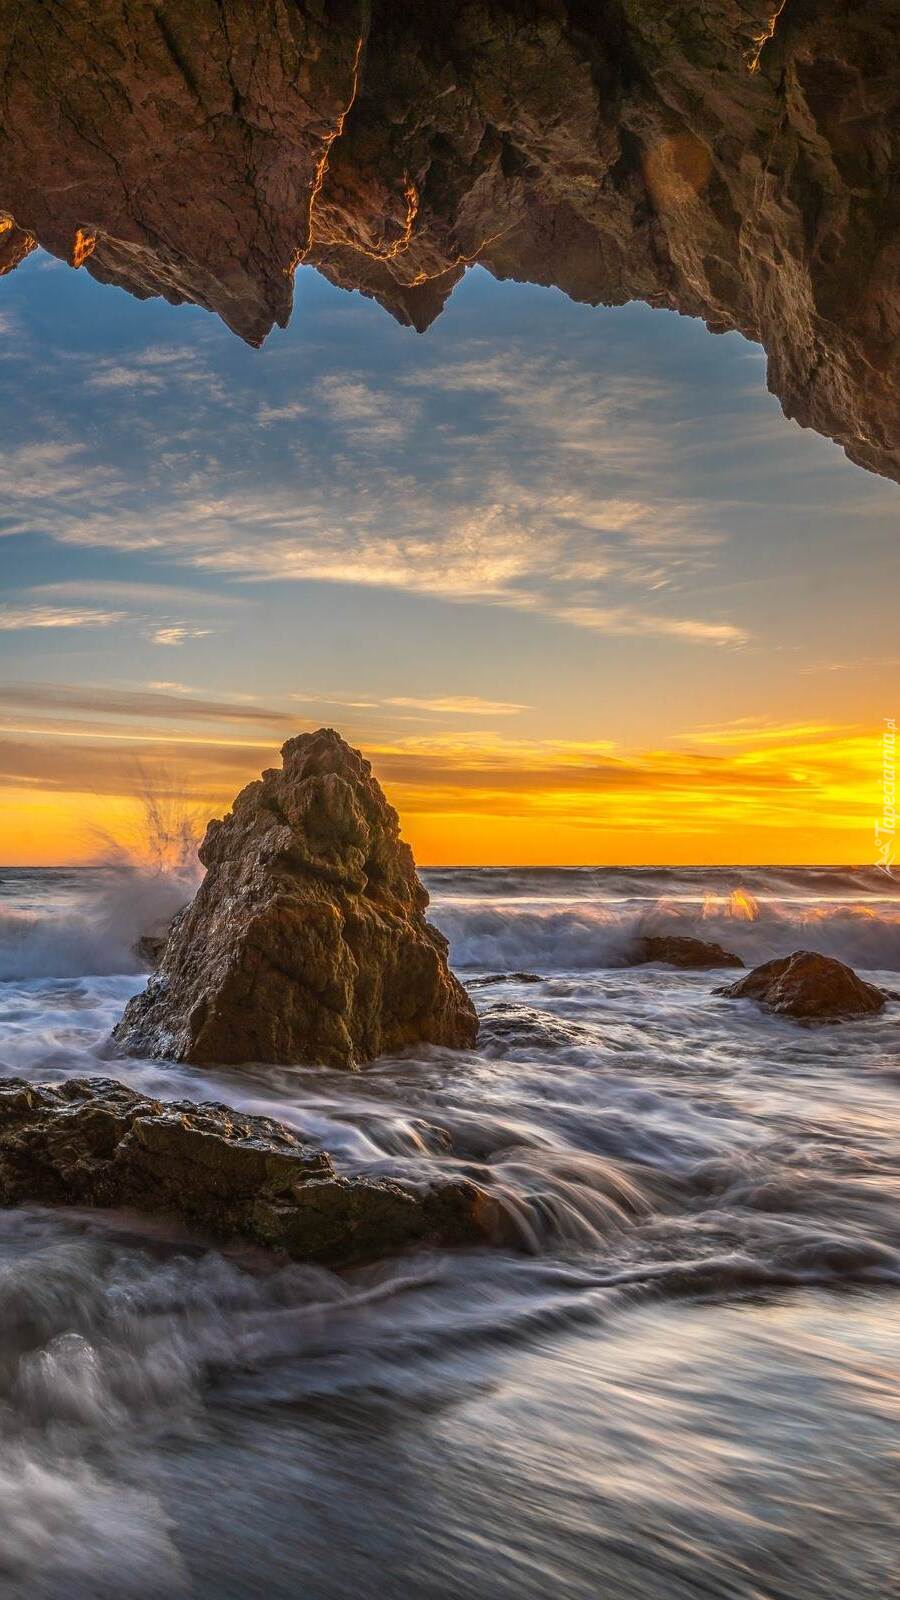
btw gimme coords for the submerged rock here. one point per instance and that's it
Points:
(679, 950)
(95, 1142)
(307, 939)
(488, 978)
(807, 984)
(150, 947)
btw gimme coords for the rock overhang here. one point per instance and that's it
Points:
(737, 163)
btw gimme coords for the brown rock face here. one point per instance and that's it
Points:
(94, 1142)
(307, 940)
(678, 950)
(737, 161)
(808, 985)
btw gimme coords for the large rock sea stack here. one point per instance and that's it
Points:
(307, 940)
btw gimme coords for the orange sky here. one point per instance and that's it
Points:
(749, 792)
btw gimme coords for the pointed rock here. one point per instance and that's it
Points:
(307, 940)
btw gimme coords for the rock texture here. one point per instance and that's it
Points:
(307, 939)
(808, 985)
(737, 161)
(679, 950)
(94, 1142)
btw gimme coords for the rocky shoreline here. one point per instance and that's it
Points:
(307, 944)
(94, 1142)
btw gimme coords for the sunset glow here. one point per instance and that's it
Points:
(567, 578)
(776, 795)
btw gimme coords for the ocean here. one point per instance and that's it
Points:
(678, 1377)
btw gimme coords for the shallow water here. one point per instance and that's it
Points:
(677, 1376)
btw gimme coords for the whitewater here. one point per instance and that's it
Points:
(674, 1375)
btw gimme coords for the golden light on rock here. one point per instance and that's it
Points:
(676, 169)
(83, 245)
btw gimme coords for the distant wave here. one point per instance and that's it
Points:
(70, 924)
(579, 936)
(649, 883)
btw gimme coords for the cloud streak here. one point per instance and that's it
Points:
(16, 619)
(157, 703)
(492, 480)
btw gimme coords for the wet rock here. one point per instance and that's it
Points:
(736, 161)
(95, 1142)
(307, 939)
(679, 950)
(489, 978)
(808, 985)
(150, 947)
(508, 1026)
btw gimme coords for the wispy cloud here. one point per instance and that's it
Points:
(14, 619)
(176, 634)
(459, 705)
(623, 621)
(112, 375)
(54, 471)
(860, 664)
(372, 417)
(159, 702)
(137, 593)
(289, 412)
(555, 554)
(508, 480)
(764, 732)
(154, 369)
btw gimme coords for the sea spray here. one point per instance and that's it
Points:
(92, 924)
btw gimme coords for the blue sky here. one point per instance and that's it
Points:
(538, 524)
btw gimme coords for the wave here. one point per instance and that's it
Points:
(553, 937)
(650, 883)
(75, 924)
(94, 930)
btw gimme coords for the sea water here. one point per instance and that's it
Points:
(680, 1375)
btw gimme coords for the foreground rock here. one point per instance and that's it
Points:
(737, 161)
(307, 940)
(806, 984)
(679, 950)
(94, 1142)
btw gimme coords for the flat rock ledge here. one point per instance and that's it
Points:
(808, 986)
(94, 1142)
(679, 950)
(306, 942)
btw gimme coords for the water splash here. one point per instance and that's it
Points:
(137, 882)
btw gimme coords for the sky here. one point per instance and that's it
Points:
(566, 575)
